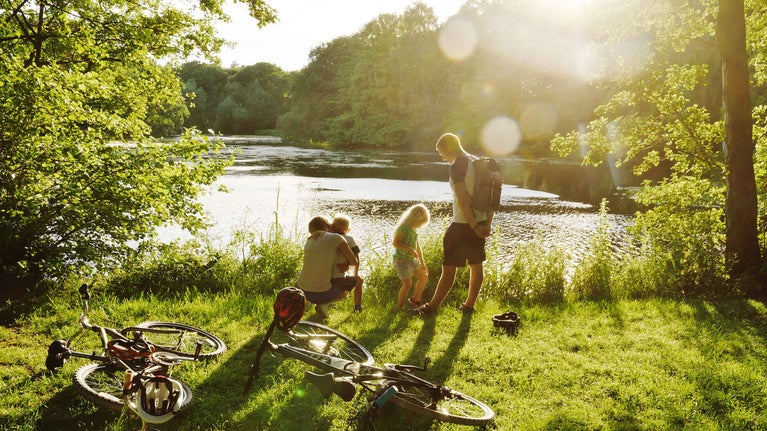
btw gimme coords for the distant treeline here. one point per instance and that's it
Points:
(397, 84)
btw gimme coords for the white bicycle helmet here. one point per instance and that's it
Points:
(158, 399)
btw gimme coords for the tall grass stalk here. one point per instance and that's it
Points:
(593, 275)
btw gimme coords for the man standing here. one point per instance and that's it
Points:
(464, 240)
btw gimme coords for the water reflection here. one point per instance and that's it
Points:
(569, 181)
(290, 185)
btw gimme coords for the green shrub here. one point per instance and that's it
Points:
(267, 262)
(645, 273)
(593, 275)
(686, 229)
(535, 273)
(169, 269)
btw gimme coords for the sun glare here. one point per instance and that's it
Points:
(458, 38)
(501, 136)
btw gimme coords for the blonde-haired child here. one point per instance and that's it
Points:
(408, 256)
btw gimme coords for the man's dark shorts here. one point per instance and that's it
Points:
(461, 245)
(338, 286)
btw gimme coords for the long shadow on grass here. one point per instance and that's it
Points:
(736, 330)
(439, 370)
(67, 410)
(279, 399)
(387, 326)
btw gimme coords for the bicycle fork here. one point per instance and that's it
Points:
(256, 365)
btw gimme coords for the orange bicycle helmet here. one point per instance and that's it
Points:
(289, 307)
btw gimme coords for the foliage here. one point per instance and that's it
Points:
(269, 262)
(760, 171)
(689, 228)
(391, 85)
(79, 94)
(240, 100)
(254, 263)
(169, 270)
(535, 274)
(204, 89)
(73, 194)
(664, 121)
(254, 97)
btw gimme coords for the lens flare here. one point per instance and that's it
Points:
(501, 136)
(458, 38)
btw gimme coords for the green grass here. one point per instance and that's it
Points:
(598, 351)
(649, 364)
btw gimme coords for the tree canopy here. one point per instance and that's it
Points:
(667, 120)
(80, 89)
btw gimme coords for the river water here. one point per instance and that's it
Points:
(270, 183)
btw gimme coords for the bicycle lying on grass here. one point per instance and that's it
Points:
(349, 365)
(133, 365)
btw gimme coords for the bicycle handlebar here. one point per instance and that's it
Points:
(85, 292)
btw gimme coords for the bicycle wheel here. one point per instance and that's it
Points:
(102, 384)
(449, 406)
(182, 339)
(319, 338)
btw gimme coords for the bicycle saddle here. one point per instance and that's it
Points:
(128, 350)
(327, 384)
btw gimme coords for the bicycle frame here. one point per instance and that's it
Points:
(146, 352)
(390, 382)
(105, 334)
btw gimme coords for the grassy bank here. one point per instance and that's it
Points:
(614, 365)
(597, 349)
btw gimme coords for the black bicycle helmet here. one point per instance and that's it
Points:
(289, 307)
(508, 321)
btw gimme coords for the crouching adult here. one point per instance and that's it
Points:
(316, 279)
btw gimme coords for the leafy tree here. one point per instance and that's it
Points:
(204, 89)
(254, 97)
(80, 176)
(391, 86)
(662, 122)
(742, 246)
(315, 91)
(382, 87)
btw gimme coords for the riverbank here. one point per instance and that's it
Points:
(289, 185)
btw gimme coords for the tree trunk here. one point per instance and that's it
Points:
(742, 246)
